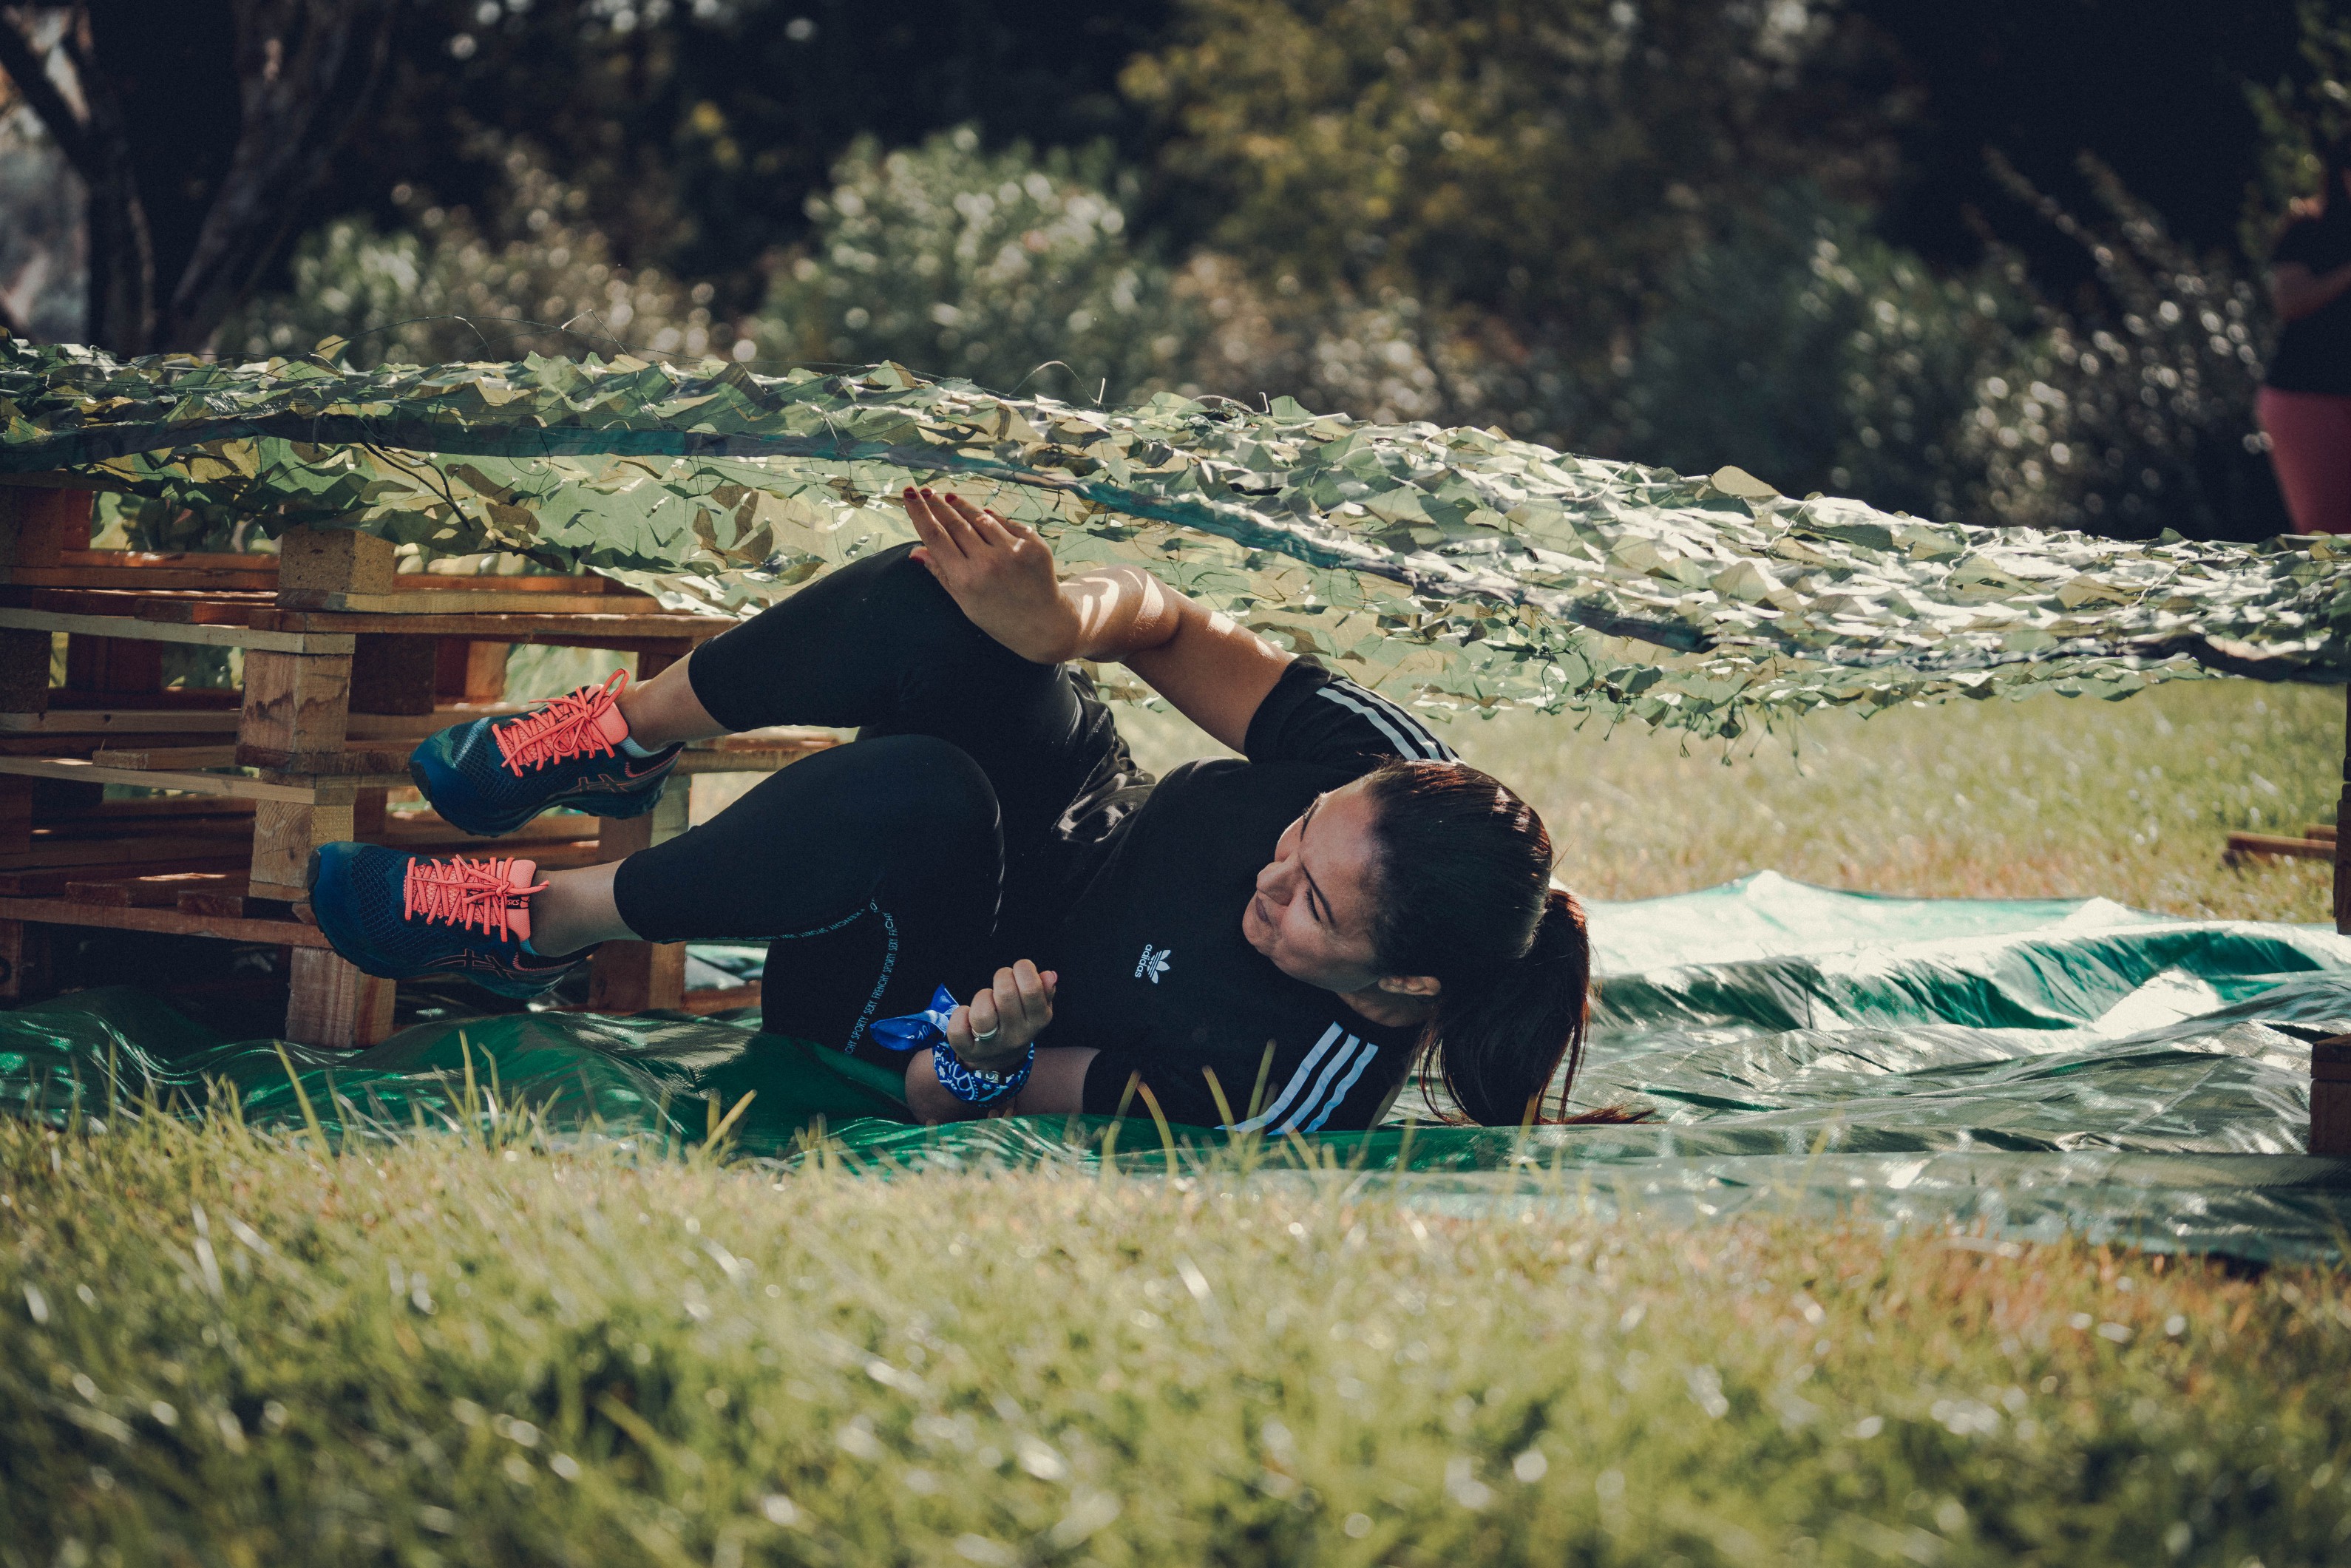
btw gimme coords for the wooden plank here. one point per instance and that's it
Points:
(137, 579)
(87, 746)
(2342, 814)
(416, 829)
(2319, 830)
(24, 673)
(500, 583)
(2276, 845)
(233, 901)
(720, 999)
(393, 674)
(369, 810)
(284, 832)
(456, 602)
(235, 786)
(166, 756)
(146, 604)
(142, 813)
(16, 816)
(334, 560)
(326, 640)
(189, 560)
(2330, 1097)
(2330, 1120)
(331, 1003)
(697, 760)
(104, 860)
(25, 968)
(330, 559)
(37, 526)
(157, 890)
(470, 672)
(660, 630)
(638, 976)
(65, 912)
(95, 725)
(118, 668)
(413, 727)
(203, 699)
(378, 766)
(295, 703)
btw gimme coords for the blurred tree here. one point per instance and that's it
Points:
(2139, 417)
(1540, 161)
(529, 277)
(198, 130)
(698, 130)
(1805, 349)
(44, 270)
(2154, 90)
(1015, 271)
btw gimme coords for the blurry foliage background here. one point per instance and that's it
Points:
(1998, 263)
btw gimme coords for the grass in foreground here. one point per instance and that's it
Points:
(221, 1348)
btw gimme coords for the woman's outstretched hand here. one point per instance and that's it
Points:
(1013, 1012)
(999, 572)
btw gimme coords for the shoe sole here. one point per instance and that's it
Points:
(635, 805)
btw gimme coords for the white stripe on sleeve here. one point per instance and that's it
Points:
(1307, 1107)
(1437, 750)
(1297, 1080)
(1412, 749)
(1361, 1061)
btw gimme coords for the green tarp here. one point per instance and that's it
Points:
(2025, 1068)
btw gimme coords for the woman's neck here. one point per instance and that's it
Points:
(1388, 1008)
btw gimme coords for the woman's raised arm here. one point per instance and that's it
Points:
(1002, 574)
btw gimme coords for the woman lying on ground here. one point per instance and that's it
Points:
(1290, 932)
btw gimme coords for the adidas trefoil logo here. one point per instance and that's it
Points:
(1153, 964)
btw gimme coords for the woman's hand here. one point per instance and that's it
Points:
(1012, 1013)
(1001, 573)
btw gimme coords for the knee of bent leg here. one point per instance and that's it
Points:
(931, 785)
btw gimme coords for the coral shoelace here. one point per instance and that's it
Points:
(566, 728)
(465, 893)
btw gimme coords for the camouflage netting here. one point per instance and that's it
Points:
(1456, 567)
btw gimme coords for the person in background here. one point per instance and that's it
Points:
(2306, 400)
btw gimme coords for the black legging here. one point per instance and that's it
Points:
(926, 853)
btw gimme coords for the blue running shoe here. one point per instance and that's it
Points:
(403, 916)
(492, 776)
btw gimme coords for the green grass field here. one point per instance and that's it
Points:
(221, 1347)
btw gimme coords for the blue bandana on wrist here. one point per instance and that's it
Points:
(976, 1085)
(972, 1085)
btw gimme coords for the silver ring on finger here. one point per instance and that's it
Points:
(980, 1038)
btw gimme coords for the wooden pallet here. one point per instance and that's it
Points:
(2315, 842)
(347, 663)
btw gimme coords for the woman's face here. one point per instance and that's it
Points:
(1312, 913)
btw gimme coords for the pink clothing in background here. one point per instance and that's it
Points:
(2310, 446)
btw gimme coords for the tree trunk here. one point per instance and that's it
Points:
(306, 70)
(189, 201)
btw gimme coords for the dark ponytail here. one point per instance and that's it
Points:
(1463, 894)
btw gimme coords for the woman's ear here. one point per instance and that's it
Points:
(1411, 985)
